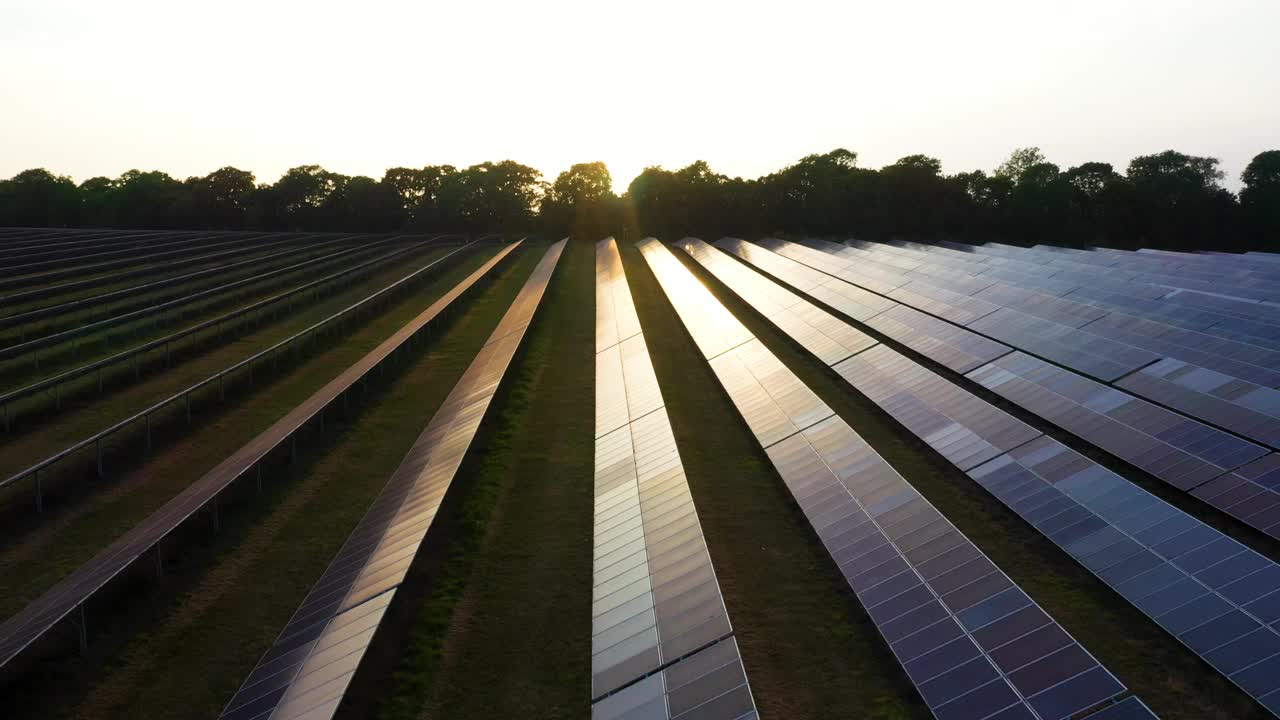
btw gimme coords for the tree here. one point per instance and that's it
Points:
(1179, 201)
(581, 202)
(418, 190)
(221, 198)
(146, 199)
(362, 204)
(96, 202)
(490, 197)
(1260, 197)
(1019, 162)
(39, 198)
(301, 192)
(916, 199)
(1099, 198)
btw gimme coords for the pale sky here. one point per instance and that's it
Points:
(98, 87)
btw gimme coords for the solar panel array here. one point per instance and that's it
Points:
(1219, 598)
(1182, 451)
(21, 630)
(957, 624)
(306, 671)
(661, 641)
(1176, 449)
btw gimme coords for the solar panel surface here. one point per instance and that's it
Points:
(945, 609)
(661, 638)
(1216, 596)
(24, 628)
(306, 671)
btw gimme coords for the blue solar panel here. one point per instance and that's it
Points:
(951, 617)
(1219, 598)
(1106, 345)
(1250, 494)
(1176, 449)
(1228, 402)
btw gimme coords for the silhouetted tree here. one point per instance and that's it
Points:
(581, 202)
(1165, 200)
(1260, 197)
(1179, 202)
(39, 198)
(418, 191)
(221, 198)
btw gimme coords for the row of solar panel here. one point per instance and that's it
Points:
(1219, 598)
(1209, 317)
(308, 668)
(1144, 273)
(1178, 450)
(1131, 338)
(1043, 272)
(661, 639)
(73, 591)
(959, 626)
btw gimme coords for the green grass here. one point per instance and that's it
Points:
(214, 615)
(65, 539)
(1172, 680)
(497, 620)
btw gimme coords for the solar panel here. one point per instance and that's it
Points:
(947, 612)
(961, 427)
(1065, 344)
(955, 347)
(708, 684)
(818, 331)
(1091, 280)
(1249, 362)
(1228, 402)
(717, 330)
(1077, 349)
(1176, 449)
(1110, 346)
(947, 304)
(615, 313)
(21, 630)
(848, 299)
(661, 639)
(1219, 598)
(1250, 494)
(306, 671)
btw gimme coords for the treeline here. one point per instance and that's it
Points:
(1167, 200)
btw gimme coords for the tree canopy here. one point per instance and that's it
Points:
(1167, 200)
